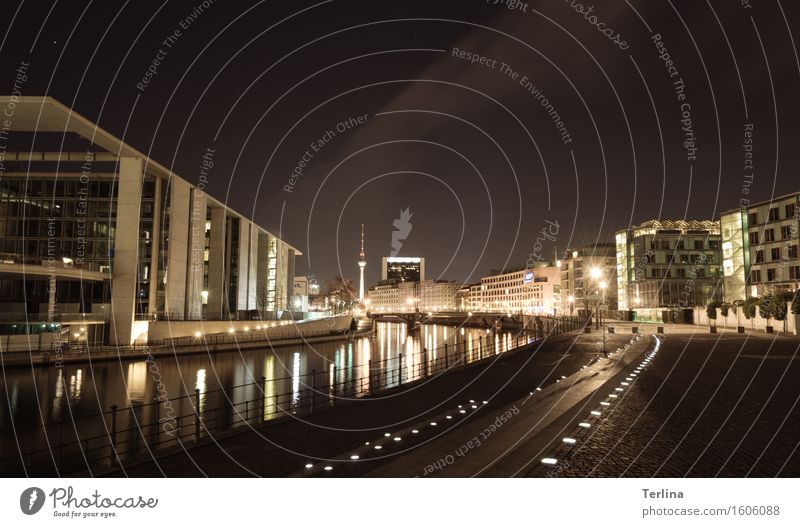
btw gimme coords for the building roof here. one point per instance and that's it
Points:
(767, 202)
(46, 115)
(651, 226)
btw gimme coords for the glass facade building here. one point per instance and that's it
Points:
(96, 245)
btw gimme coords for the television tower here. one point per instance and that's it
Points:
(362, 263)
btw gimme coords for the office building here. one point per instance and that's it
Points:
(760, 248)
(101, 243)
(582, 271)
(403, 268)
(668, 264)
(535, 290)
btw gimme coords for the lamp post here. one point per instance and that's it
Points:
(571, 300)
(603, 287)
(596, 273)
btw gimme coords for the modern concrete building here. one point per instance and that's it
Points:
(760, 248)
(668, 264)
(403, 268)
(582, 270)
(100, 242)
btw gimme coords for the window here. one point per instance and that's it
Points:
(773, 214)
(755, 276)
(769, 235)
(681, 272)
(713, 244)
(792, 249)
(759, 256)
(794, 272)
(786, 232)
(770, 275)
(776, 253)
(753, 238)
(790, 210)
(752, 218)
(698, 245)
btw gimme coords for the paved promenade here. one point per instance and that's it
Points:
(707, 405)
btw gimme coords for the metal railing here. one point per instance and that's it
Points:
(100, 441)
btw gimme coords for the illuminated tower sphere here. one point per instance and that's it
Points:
(362, 263)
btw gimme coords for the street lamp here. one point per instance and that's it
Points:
(603, 287)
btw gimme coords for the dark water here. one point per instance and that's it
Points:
(67, 401)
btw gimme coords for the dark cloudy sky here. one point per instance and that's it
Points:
(475, 156)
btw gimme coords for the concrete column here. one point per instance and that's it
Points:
(262, 271)
(155, 241)
(51, 299)
(194, 252)
(216, 264)
(252, 269)
(126, 250)
(244, 265)
(177, 250)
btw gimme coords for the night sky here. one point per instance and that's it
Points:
(401, 122)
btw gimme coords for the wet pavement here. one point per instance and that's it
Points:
(708, 405)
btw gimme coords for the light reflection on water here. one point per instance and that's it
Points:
(59, 394)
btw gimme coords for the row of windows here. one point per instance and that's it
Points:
(774, 274)
(776, 254)
(34, 292)
(62, 188)
(789, 212)
(665, 244)
(683, 272)
(60, 209)
(769, 235)
(96, 186)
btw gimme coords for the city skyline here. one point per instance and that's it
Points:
(272, 243)
(732, 114)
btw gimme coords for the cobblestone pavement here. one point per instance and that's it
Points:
(707, 405)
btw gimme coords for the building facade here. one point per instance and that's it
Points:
(582, 270)
(535, 290)
(395, 296)
(760, 248)
(665, 264)
(403, 268)
(437, 295)
(108, 241)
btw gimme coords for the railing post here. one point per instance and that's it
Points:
(369, 377)
(313, 389)
(465, 352)
(113, 434)
(262, 398)
(333, 399)
(60, 442)
(197, 414)
(480, 347)
(157, 423)
(425, 358)
(446, 360)
(400, 370)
